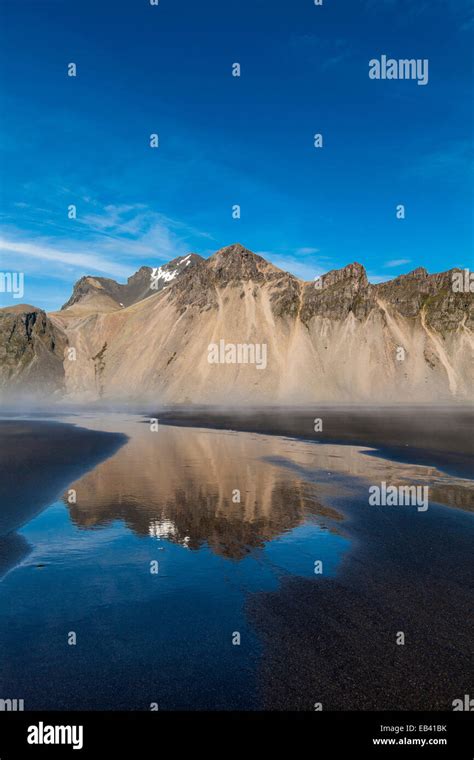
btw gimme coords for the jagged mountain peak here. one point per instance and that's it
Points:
(237, 263)
(144, 271)
(354, 271)
(235, 254)
(104, 294)
(235, 250)
(333, 338)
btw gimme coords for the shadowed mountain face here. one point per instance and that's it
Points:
(31, 351)
(338, 339)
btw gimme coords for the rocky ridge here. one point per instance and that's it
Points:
(338, 338)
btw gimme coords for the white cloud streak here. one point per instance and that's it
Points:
(78, 260)
(397, 262)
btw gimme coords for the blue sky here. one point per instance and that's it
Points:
(226, 140)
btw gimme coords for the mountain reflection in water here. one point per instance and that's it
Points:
(227, 565)
(181, 484)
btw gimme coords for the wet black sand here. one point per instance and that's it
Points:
(406, 572)
(327, 640)
(333, 641)
(38, 460)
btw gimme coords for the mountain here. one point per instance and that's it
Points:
(31, 352)
(103, 294)
(235, 329)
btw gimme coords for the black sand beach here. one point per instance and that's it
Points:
(403, 574)
(38, 459)
(328, 639)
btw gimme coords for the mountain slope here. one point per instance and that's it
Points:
(339, 339)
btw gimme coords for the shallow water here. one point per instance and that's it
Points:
(170, 497)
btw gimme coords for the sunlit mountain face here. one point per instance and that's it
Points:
(235, 329)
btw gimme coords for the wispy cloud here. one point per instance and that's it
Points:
(396, 262)
(77, 260)
(126, 219)
(306, 251)
(140, 230)
(108, 240)
(133, 219)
